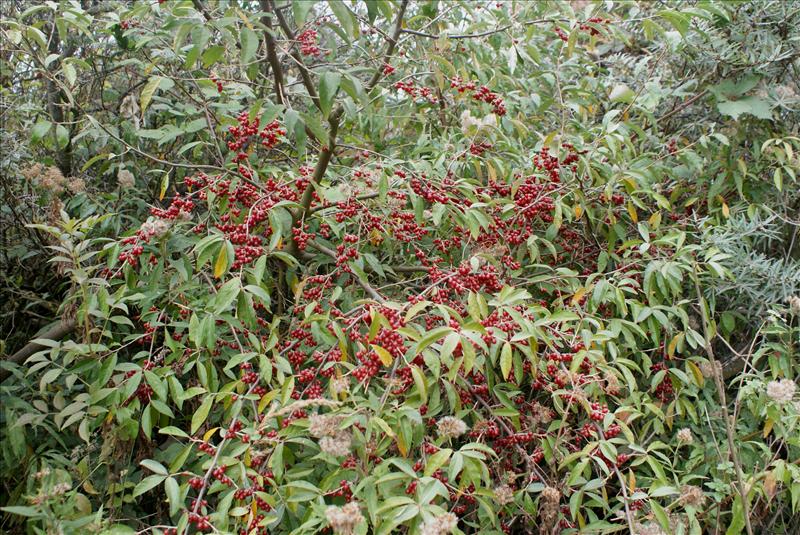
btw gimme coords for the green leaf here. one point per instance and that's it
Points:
(69, 74)
(211, 55)
(250, 43)
(148, 91)
(345, 17)
(660, 514)
(300, 9)
(419, 381)
(751, 105)
(678, 21)
(328, 86)
(147, 483)
(173, 491)
(621, 93)
(737, 521)
(226, 295)
(155, 467)
(201, 413)
(437, 460)
(316, 127)
(40, 129)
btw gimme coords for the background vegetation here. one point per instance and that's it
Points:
(400, 266)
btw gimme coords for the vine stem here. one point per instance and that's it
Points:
(717, 374)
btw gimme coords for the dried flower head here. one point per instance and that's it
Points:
(338, 445)
(503, 494)
(340, 385)
(441, 525)
(155, 227)
(76, 185)
(323, 425)
(473, 125)
(684, 436)
(785, 92)
(540, 415)
(31, 174)
(450, 427)
(129, 109)
(548, 509)
(794, 304)
(648, 528)
(612, 386)
(344, 519)
(710, 370)
(125, 179)
(781, 391)
(48, 178)
(693, 496)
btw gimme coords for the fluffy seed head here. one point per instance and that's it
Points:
(450, 427)
(338, 445)
(781, 391)
(693, 496)
(503, 494)
(344, 519)
(441, 525)
(126, 179)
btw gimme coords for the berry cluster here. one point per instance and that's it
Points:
(308, 40)
(480, 93)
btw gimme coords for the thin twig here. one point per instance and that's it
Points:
(740, 487)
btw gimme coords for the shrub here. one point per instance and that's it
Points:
(407, 267)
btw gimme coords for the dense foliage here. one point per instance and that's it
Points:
(396, 266)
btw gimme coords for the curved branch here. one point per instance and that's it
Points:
(481, 34)
(56, 332)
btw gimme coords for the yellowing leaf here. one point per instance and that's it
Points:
(632, 213)
(505, 360)
(401, 445)
(384, 356)
(673, 344)
(696, 373)
(631, 481)
(655, 220)
(164, 186)
(209, 433)
(147, 92)
(221, 265)
(768, 427)
(578, 296)
(419, 381)
(492, 172)
(578, 211)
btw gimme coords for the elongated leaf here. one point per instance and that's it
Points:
(250, 43)
(328, 86)
(148, 91)
(201, 413)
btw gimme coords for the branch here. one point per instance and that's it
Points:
(364, 284)
(481, 34)
(684, 105)
(724, 405)
(56, 332)
(272, 54)
(392, 44)
(305, 74)
(327, 152)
